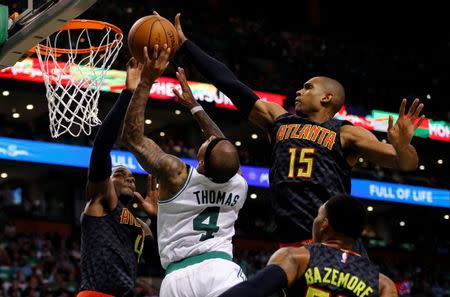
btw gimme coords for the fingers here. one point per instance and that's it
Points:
(151, 182)
(155, 52)
(160, 57)
(182, 78)
(390, 122)
(177, 21)
(132, 63)
(419, 122)
(165, 54)
(181, 70)
(175, 91)
(413, 107)
(138, 197)
(418, 110)
(402, 108)
(146, 57)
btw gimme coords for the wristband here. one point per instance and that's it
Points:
(196, 109)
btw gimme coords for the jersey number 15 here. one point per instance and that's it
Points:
(305, 160)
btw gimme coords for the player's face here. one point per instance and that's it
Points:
(308, 98)
(123, 180)
(201, 152)
(318, 224)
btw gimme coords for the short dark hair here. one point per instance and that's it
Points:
(346, 215)
(221, 160)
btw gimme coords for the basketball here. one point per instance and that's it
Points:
(149, 31)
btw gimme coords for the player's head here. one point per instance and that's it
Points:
(123, 182)
(339, 217)
(320, 94)
(218, 159)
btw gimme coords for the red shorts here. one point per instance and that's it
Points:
(295, 244)
(93, 294)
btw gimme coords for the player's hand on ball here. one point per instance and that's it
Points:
(156, 65)
(134, 70)
(181, 35)
(186, 98)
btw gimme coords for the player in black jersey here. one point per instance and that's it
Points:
(312, 153)
(112, 238)
(327, 267)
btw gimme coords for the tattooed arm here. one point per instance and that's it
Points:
(169, 170)
(186, 98)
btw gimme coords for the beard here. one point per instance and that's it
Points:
(301, 113)
(126, 199)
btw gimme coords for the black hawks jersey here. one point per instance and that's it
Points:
(333, 272)
(308, 167)
(111, 247)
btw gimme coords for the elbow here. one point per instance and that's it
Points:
(408, 167)
(411, 165)
(407, 159)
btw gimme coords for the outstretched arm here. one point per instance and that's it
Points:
(399, 154)
(186, 98)
(167, 168)
(100, 163)
(387, 286)
(259, 112)
(283, 269)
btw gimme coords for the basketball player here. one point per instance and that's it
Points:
(197, 207)
(312, 154)
(112, 239)
(328, 267)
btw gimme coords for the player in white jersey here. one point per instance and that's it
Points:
(197, 206)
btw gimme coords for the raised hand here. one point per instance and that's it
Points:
(134, 70)
(186, 98)
(150, 203)
(155, 66)
(402, 132)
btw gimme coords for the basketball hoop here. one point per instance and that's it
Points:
(74, 62)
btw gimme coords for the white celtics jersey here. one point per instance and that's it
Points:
(200, 217)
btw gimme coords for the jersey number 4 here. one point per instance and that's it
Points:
(211, 214)
(305, 160)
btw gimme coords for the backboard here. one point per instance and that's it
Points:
(39, 19)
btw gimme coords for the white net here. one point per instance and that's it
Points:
(73, 79)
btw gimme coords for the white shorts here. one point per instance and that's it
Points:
(209, 278)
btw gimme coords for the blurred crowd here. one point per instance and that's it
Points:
(270, 56)
(277, 54)
(33, 265)
(38, 266)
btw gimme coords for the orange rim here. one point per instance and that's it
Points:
(80, 25)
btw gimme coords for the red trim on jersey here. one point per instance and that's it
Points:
(93, 294)
(295, 244)
(333, 245)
